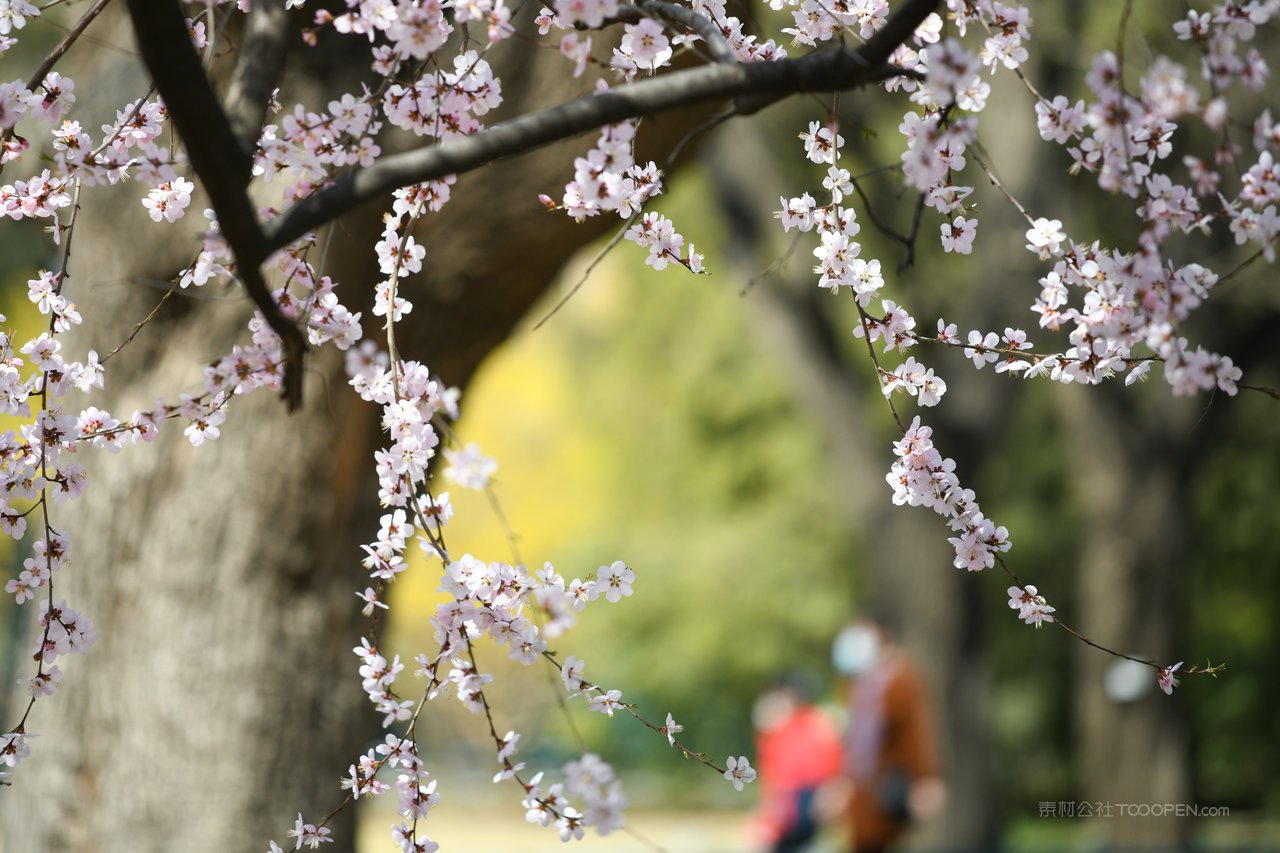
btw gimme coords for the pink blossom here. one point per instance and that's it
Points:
(1167, 680)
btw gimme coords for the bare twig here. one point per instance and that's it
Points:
(881, 226)
(1269, 391)
(586, 274)
(1241, 267)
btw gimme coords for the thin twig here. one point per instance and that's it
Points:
(1270, 392)
(715, 121)
(773, 267)
(1241, 267)
(880, 371)
(138, 328)
(617, 238)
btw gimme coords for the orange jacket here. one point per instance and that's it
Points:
(899, 748)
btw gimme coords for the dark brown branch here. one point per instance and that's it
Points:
(909, 260)
(222, 165)
(258, 70)
(69, 39)
(755, 85)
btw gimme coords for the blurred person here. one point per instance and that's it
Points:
(891, 761)
(798, 752)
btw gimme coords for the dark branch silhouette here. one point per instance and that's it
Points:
(216, 155)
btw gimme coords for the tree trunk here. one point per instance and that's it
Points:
(1128, 478)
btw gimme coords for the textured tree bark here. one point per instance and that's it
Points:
(221, 698)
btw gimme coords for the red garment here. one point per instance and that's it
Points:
(801, 753)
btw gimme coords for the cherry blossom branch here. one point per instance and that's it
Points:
(667, 731)
(138, 327)
(115, 131)
(51, 614)
(407, 221)
(866, 321)
(64, 45)
(42, 71)
(755, 85)
(223, 166)
(1026, 81)
(1041, 612)
(1210, 669)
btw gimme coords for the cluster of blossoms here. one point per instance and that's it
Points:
(487, 599)
(130, 148)
(645, 45)
(309, 145)
(921, 476)
(591, 782)
(839, 264)
(608, 180)
(446, 104)
(38, 467)
(1110, 302)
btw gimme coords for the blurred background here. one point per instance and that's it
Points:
(724, 435)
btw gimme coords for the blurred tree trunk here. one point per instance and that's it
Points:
(221, 697)
(1124, 471)
(1130, 459)
(905, 550)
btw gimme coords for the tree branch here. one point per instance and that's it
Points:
(217, 157)
(756, 85)
(257, 72)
